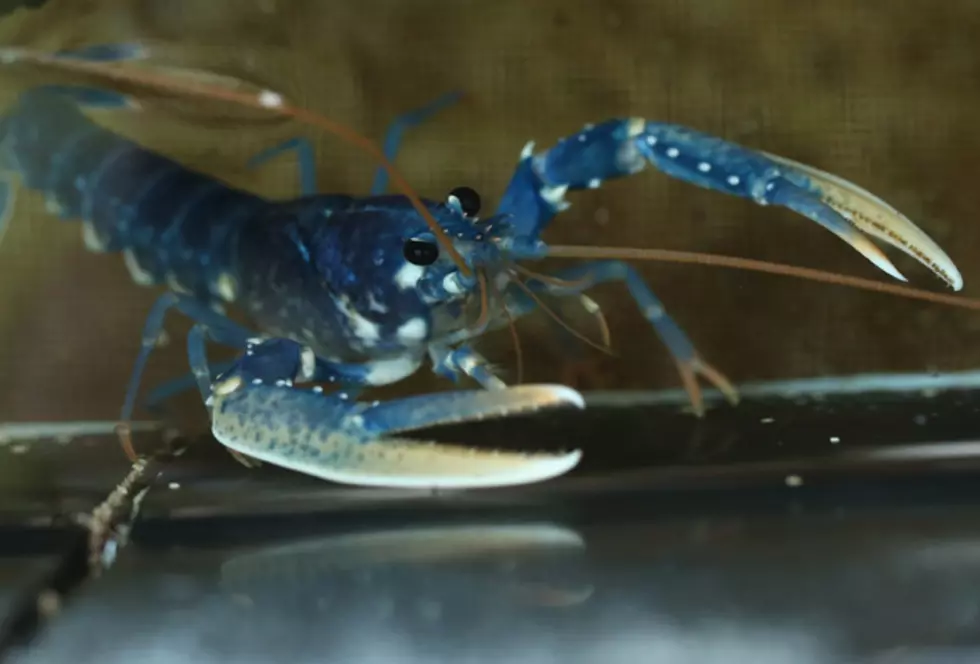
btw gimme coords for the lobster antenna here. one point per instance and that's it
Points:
(752, 265)
(226, 88)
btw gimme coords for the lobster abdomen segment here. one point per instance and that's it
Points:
(173, 224)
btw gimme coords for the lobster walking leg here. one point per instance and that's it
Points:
(220, 328)
(306, 155)
(305, 161)
(201, 370)
(453, 363)
(582, 277)
(167, 390)
(393, 135)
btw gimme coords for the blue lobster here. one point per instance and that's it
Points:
(355, 292)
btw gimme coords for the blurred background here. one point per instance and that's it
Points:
(880, 92)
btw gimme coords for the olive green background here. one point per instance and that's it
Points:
(881, 92)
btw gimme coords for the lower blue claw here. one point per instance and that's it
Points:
(329, 437)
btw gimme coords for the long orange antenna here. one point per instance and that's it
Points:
(715, 260)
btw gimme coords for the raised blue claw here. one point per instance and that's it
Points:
(625, 146)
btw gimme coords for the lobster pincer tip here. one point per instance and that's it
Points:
(867, 213)
(869, 250)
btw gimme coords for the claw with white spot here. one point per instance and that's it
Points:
(617, 148)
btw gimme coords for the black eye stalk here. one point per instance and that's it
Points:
(466, 200)
(421, 252)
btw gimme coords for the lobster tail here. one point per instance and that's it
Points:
(171, 223)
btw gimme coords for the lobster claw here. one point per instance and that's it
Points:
(333, 438)
(622, 147)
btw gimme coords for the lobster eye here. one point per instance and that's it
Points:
(468, 200)
(421, 252)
